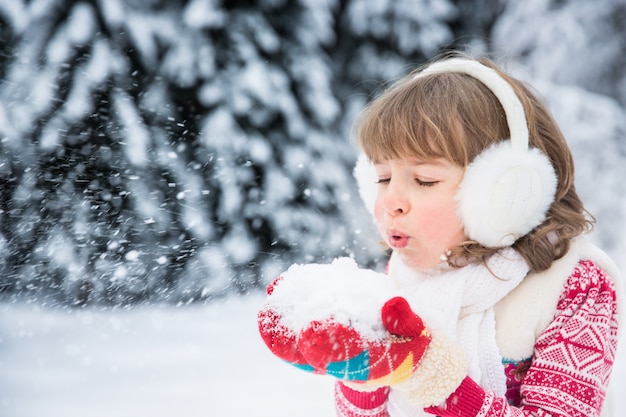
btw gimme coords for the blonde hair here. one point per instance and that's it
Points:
(455, 117)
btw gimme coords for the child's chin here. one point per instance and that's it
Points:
(420, 263)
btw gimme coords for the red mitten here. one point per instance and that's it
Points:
(340, 320)
(344, 321)
(341, 351)
(278, 337)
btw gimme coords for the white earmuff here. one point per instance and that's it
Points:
(366, 179)
(508, 188)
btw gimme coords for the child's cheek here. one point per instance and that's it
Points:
(442, 223)
(379, 212)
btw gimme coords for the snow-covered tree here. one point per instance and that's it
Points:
(179, 150)
(173, 151)
(576, 42)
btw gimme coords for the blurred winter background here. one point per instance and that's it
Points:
(161, 161)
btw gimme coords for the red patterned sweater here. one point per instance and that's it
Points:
(567, 375)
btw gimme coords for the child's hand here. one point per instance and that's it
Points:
(278, 337)
(316, 292)
(330, 347)
(337, 319)
(336, 349)
(347, 322)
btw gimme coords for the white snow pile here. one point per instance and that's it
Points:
(339, 290)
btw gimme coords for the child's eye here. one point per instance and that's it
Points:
(425, 183)
(383, 180)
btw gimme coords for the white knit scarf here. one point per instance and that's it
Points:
(459, 302)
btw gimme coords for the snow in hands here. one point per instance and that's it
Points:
(314, 292)
(343, 321)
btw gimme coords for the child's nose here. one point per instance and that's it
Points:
(395, 202)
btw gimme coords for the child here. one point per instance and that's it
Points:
(512, 311)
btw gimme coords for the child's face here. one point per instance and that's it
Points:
(415, 209)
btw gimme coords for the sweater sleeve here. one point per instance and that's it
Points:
(572, 361)
(353, 403)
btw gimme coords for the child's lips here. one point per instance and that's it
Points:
(397, 240)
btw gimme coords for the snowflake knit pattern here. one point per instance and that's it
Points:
(570, 370)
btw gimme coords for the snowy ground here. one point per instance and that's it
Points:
(199, 361)
(196, 361)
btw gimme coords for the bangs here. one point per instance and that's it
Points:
(423, 118)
